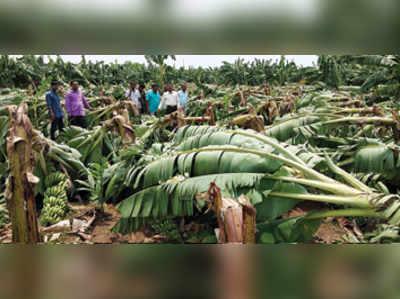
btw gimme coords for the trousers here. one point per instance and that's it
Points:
(171, 109)
(58, 123)
(79, 121)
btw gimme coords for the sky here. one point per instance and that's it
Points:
(182, 8)
(194, 60)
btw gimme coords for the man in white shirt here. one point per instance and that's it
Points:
(170, 99)
(132, 94)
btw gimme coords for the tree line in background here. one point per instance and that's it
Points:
(368, 71)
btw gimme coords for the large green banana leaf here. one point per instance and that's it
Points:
(176, 197)
(197, 164)
(237, 139)
(285, 128)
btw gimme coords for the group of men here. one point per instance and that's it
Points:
(152, 102)
(144, 103)
(75, 104)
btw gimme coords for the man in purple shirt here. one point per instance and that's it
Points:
(75, 104)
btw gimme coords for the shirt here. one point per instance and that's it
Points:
(135, 96)
(75, 102)
(169, 99)
(183, 98)
(154, 100)
(54, 103)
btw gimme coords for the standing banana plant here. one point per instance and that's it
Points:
(331, 71)
(160, 61)
(21, 181)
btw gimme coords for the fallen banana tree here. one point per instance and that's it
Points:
(121, 125)
(274, 178)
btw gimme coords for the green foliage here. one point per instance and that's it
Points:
(285, 128)
(167, 228)
(288, 230)
(95, 183)
(332, 71)
(176, 197)
(157, 178)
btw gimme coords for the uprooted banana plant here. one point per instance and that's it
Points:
(274, 176)
(94, 144)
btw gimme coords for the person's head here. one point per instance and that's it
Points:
(142, 87)
(75, 85)
(168, 87)
(54, 85)
(184, 87)
(154, 87)
(133, 85)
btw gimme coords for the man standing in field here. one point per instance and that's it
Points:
(75, 104)
(153, 99)
(183, 96)
(170, 99)
(55, 110)
(132, 94)
(142, 98)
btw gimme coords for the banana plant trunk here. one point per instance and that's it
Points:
(236, 219)
(21, 181)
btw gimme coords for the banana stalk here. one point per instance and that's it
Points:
(236, 219)
(358, 196)
(20, 193)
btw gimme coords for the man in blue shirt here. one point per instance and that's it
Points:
(183, 96)
(55, 110)
(153, 99)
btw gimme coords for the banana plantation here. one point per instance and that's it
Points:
(265, 152)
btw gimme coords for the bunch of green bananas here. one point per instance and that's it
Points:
(56, 202)
(52, 214)
(55, 178)
(4, 217)
(55, 205)
(58, 191)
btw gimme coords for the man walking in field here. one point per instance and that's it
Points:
(183, 96)
(170, 99)
(133, 95)
(75, 104)
(55, 110)
(153, 99)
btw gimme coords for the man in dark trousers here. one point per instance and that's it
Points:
(55, 110)
(143, 98)
(169, 100)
